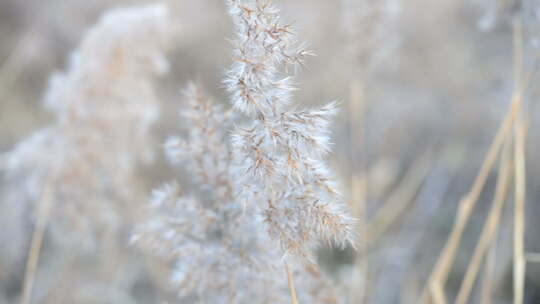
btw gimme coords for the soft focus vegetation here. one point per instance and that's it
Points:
(248, 151)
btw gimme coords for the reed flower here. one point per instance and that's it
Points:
(219, 249)
(280, 152)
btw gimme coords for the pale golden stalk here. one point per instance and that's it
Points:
(519, 167)
(490, 227)
(435, 285)
(292, 289)
(359, 187)
(486, 291)
(44, 210)
(360, 272)
(519, 213)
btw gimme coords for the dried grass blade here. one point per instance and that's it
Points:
(490, 227)
(437, 279)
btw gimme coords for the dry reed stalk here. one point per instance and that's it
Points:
(367, 20)
(519, 212)
(359, 188)
(290, 283)
(486, 291)
(490, 227)
(439, 275)
(361, 265)
(399, 200)
(43, 213)
(519, 167)
(358, 185)
(435, 285)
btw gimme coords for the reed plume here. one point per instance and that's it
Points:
(81, 169)
(219, 249)
(281, 151)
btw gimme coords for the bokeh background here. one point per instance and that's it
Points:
(435, 79)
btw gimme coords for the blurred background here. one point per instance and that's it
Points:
(424, 86)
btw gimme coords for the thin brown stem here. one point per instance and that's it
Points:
(486, 291)
(292, 289)
(490, 227)
(43, 212)
(435, 286)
